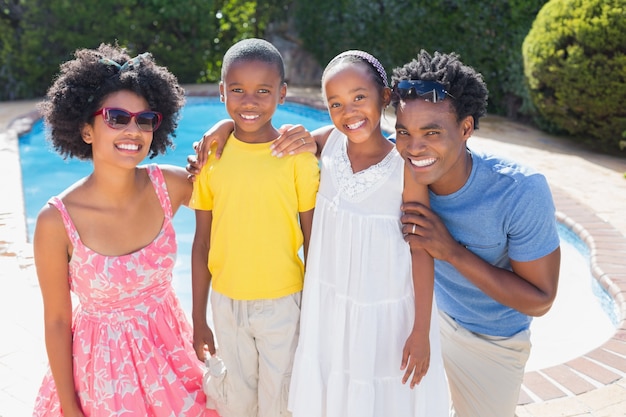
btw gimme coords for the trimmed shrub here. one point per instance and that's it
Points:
(575, 66)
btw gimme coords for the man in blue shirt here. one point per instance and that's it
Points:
(491, 229)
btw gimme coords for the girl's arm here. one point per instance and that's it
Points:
(416, 353)
(52, 251)
(296, 139)
(200, 284)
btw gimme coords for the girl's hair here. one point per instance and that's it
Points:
(254, 49)
(86, 81)
(465, 85)
(376, 70)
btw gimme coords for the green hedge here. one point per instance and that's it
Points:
(37, 35)
(575, 64)
(188, 36)
(487, 34)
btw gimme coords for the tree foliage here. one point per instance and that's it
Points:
(575, 63)
(188, 36)
(237, 20)
(487, 34)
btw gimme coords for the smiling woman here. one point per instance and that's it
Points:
(110, 234)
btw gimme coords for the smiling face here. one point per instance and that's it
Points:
(354, 101)
(127, 146)
(432, 143)
(251, 90)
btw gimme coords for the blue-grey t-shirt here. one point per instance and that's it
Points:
(504, 211)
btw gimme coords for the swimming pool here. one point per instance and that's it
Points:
(567, 331)
(583, 315)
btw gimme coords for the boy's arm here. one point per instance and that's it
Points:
(200, 284)
(218, 134)
(306, 223)
(416, 353)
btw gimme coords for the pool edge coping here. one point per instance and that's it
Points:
(605, 364)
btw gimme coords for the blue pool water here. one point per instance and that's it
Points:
(583, 315)
(45, 173)
(607, 303)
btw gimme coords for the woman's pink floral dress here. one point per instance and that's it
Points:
(133, 354)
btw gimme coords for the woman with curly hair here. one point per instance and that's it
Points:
(107, 242)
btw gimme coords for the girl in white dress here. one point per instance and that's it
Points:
(369, 338)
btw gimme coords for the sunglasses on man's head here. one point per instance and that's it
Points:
(431, 91)
(148, 120)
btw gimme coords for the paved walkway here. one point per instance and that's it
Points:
(590, 194)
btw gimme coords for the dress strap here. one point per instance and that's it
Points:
(158, 181)
(67, 221)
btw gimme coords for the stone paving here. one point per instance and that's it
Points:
(590, 195)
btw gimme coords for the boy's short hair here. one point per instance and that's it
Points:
(254, 49)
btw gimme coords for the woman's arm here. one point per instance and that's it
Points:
(179, 187)
(52, 251)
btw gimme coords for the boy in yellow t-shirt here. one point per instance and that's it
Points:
(253, 213)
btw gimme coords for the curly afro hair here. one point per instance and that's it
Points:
(85, 82)
(462, 82)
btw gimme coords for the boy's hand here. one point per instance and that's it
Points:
(293, 139)
(415, 358)
(192, 167)
(196, 162)
(203, 341)
(218, 135)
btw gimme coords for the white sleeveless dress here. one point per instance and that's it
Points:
(358, 303)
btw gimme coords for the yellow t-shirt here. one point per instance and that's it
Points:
(255, 234)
